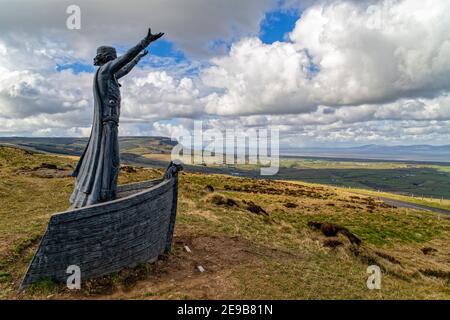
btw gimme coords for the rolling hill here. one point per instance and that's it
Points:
(427, 179)
(256, 239)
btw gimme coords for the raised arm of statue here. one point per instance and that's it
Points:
(132, 53)
(125, 70)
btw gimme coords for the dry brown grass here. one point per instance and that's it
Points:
(245, 255)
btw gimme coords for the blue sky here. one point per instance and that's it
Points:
(277, 24)
(274, 27)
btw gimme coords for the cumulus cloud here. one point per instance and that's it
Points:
(259, 78)
(24, 93)
(30, 87)
(35, 99)
(341, 53)
(192, 25)
(156, 94)
(361, 71)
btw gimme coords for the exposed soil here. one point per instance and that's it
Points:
(332, 243)
(331, 230)
(273, 188)
(436, 273)
(220, 200)
(47, 170)
(176, 275)
(254, 208)
(428, 250)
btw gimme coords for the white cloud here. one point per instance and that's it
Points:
(259, 78)
(365, 54)
(157, 95)
(192, 24)
(361, 71)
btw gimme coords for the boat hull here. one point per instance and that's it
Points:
(107, 237)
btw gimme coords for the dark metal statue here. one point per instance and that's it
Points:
(172, 169)
(98, 169)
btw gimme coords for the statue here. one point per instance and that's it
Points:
(98, 168)
(135, 228)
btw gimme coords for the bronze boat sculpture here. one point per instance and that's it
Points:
(103, 238)
(108, 227)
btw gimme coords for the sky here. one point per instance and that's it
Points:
(324, 73)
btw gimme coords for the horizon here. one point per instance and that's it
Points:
(281, 147)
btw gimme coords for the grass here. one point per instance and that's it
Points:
(431, 202)
(300, 163)
(43, 287)
(246, 255)
(404, 178)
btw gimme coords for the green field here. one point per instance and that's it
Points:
(417, 179)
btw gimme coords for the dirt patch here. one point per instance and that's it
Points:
(388, 257)
(331, 230)
(290, 205)
(48, 166)
(279, 188)
(366, 256)
(176, 276)
(128, 169)
(46, 170)
(370, 203)
(254, 208)
(436, 273)
(428, 250)
(332, 243)
(220, 200)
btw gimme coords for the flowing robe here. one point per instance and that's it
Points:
(98, 168)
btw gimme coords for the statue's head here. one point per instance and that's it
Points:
(104, 54)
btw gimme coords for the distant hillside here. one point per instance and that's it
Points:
(75, 146)
(423, 178)
(138, 146)
(379, 152)
(256, 239)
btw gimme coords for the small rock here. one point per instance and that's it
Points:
(428, 250)
(201, 269)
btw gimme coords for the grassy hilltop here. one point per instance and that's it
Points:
(256, 239)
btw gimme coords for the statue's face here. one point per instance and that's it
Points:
(104, 55)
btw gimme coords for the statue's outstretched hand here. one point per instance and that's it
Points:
(143, 53)
(152, 37)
